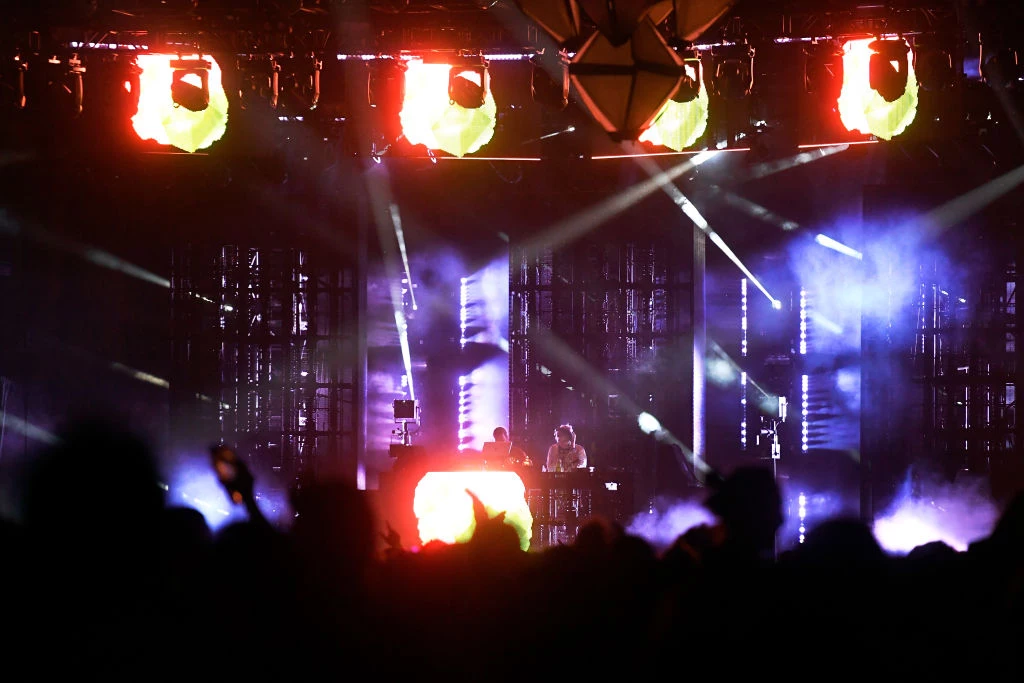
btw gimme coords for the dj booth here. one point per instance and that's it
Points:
(559, 502)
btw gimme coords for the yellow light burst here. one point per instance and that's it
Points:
(430, 118)
(861, 108)
(679, 124)
(159, 119)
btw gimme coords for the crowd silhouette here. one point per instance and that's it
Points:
(102, 577)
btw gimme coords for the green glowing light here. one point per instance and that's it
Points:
(429, 118)
(158, 118)
(861, 108)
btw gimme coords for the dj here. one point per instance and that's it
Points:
(516, 455)
(565, 454)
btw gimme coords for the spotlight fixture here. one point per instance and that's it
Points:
(1001, 69)
(188, 93)
(549, 80)
(684, 117)
(693, 75)
(435, 114)
(823, 69)
(385, 94)
(60, 80)
(734, 71)
(20, 66)
(887, 69)
(467, 83)
(933, 63)
(171, 120)
(299, 79)
(871, 80)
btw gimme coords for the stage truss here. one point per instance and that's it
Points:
(598, 329)
(265, 344)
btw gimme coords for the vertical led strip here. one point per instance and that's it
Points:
(743, 410)
(802, 514)
(463, 313)
(463, 411)
(803, 322)
(743, 353)
(803, 413)
(743, 316)
(803, 378)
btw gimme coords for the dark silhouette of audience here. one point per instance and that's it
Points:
(103, 578)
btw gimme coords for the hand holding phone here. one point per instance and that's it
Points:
(232, 473)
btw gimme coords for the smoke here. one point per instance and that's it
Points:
(193, 483)
(928, 510)
(668, 520)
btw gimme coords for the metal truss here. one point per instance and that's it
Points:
(266, 355)
(620, 311)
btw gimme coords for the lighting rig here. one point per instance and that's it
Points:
(626, 70)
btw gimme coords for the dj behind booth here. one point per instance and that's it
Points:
(426, 489)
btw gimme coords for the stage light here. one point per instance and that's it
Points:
(430, 117)
(864, 108)
(467, 84)
(684, 118)
(826, 241)
(53, 86)
(888, 67)
(385, 91)
(823, 70)
(1001, 69)
(733, 77)
(299, 79)
(68, 82)
(549, 80)
(625, 87)
(933, 64)
(258, 82)
(20, 67)
(159, 117)
(185, 91)
(692, 79)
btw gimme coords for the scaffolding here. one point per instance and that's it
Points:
(621, 310)
(266, 356)
(965, 357)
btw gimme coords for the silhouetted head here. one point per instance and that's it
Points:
(334, 522)
(500, 434)
(98, 479)
(749, 504)
(1009, 529)
(841, 544)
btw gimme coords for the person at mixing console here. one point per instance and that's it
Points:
(516, 457)
(565, 454)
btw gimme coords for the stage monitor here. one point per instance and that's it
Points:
(406, 409)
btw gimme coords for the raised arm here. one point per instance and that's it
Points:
(551, 462)
(581, 456)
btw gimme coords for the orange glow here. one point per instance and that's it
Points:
(445, 510)
(157, 117)
(429, 118)
(861, 108)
